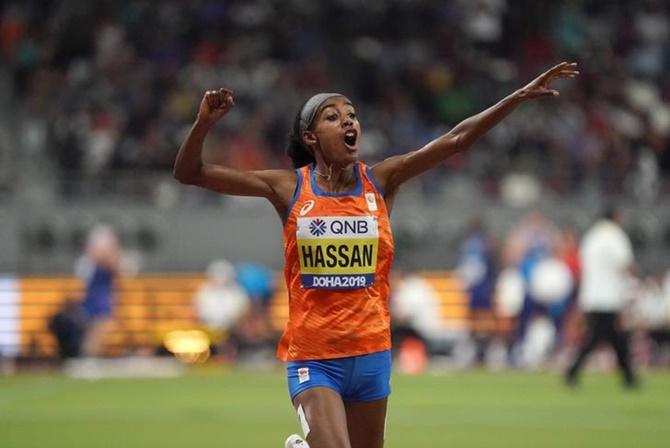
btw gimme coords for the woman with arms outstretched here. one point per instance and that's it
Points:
(338, 250)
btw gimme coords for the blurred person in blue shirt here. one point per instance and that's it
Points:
(532, 241)
(258, 281)
(99, 268)
(258, 334)
(477, 271)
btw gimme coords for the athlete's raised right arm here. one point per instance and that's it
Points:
(275, 185)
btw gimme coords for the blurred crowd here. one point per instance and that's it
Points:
(531, 297)
(102, 87)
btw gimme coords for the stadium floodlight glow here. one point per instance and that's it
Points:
(189, 346)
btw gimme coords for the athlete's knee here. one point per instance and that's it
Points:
(320, 431)
(322, 419)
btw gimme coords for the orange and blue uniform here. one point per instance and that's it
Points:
(338, 254)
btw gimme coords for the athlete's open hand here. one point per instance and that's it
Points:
(539, 87)
(214, 105)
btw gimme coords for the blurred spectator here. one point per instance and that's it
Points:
(549, 289)
(257, 338)
(220, 306)
(606, 256)
(531, 242)
(536, 348)
(415, 312)
(551, 285)
(477, 271)
(68, 325)
(660, 334)
(99, 268)
(568, 253)
(258, 282)
(652, 315)
(532, 239)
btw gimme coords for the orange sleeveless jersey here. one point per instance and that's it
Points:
(338, 251)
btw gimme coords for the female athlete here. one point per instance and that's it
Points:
(338, 251)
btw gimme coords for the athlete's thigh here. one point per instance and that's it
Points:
(325, 417)
(366, 422)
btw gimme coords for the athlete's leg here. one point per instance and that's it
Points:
(325, 417)
(366, 421)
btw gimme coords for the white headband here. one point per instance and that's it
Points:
(311, 107)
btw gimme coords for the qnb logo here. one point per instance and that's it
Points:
(317, 227)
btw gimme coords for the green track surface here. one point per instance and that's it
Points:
(235, 408)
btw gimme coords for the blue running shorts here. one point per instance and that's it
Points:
(355, 378)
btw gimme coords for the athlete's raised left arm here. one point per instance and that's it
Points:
(392, 172)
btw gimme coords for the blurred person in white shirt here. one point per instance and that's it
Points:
(415, 310)
(606, 257)
(220, 303)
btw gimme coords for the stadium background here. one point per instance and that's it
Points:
(95, 98)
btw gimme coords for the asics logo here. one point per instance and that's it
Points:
(307, 207)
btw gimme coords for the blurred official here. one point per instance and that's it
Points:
(606, 256)
(99, 269)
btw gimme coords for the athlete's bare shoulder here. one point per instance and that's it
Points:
(282, 184)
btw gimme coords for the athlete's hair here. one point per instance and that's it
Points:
(296, 148)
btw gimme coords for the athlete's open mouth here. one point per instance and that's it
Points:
(350, 137)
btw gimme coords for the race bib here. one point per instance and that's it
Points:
(337, 252)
